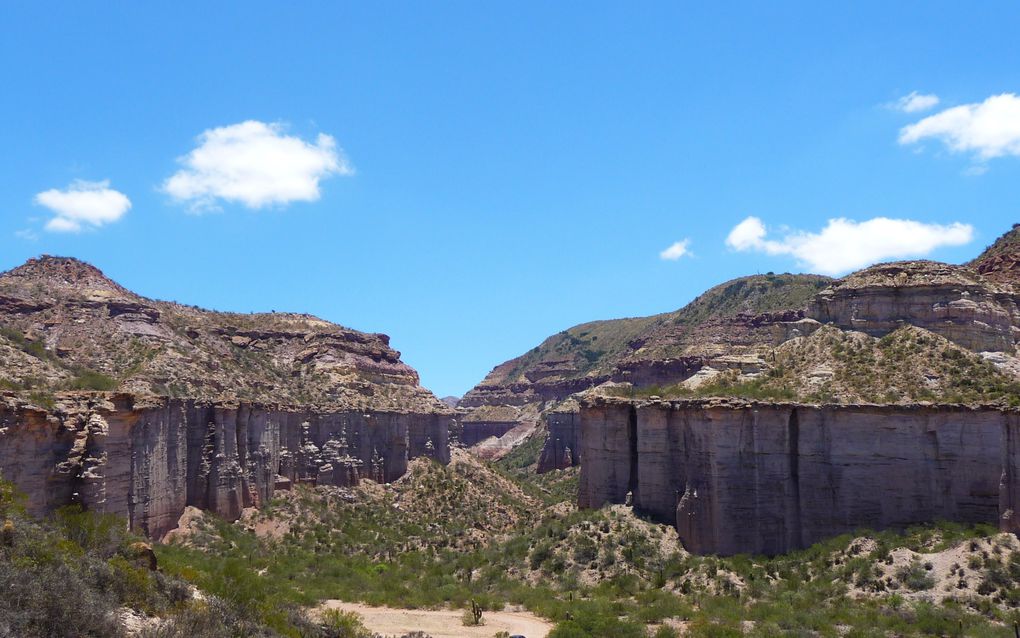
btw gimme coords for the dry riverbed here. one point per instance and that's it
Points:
(443, 623)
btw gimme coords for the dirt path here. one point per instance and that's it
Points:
(443, 623)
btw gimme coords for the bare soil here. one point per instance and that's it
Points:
(443, 623)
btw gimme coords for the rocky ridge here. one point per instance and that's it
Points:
(79, 328)
(893, 333)
(143, 408)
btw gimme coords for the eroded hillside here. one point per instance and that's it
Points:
(67, 326)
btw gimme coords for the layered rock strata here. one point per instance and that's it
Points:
(740, 477)
(954, 301)
(146, 460)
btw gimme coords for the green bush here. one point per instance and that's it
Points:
(91, 380)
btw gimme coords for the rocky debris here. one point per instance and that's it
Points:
(190, 523)
(738, 477)
(149, 459)
(966, 569)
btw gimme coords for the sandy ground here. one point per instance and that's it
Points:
(443, 623)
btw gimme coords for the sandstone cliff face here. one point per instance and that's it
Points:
(561, 449)
(147, 460)
(769, 478)
(474, 432)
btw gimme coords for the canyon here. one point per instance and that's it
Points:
(771, 412)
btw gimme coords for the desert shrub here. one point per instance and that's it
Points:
(91, 380)
(343, 624)
(915, 577)
(212, 618)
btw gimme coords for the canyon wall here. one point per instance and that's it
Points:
(738, 477)
(147, 460)
(561, 449)
(474, 432)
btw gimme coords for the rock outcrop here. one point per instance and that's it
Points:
(146, 460)
(738, 477)
(953, 301)
(561, 449)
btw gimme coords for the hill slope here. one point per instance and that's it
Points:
(64, 325)
(732, 317)
(754, 335)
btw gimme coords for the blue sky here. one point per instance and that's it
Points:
(473, 177)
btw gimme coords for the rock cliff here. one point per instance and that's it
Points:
(147, 459)
(953, 301)
(140, 407)
(562, 444)
(893, 333)
(739, 477)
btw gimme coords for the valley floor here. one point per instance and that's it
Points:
(443, 623)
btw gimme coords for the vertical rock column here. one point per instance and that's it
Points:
(1009, 482)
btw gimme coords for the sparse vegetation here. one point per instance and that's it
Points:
(596, 573)
(91, 380)
(833, 366)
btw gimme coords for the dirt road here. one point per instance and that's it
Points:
(443, 623)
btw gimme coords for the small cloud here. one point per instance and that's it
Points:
(915, 102)
(27, 234)
(83, 205)
(676, 250)
(845, 245)
(976, 169)
(255, 164)
(987, 129)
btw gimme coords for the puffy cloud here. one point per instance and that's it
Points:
(83, 205)
(254, 164)
(988, 129)
(676, 250)
(914, 102)
(845, 245)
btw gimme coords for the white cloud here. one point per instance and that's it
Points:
(83, 205)
(27, 234)
(676, 250)
(254, 164)
(988, 129)
(915, 102)
(845, 245)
